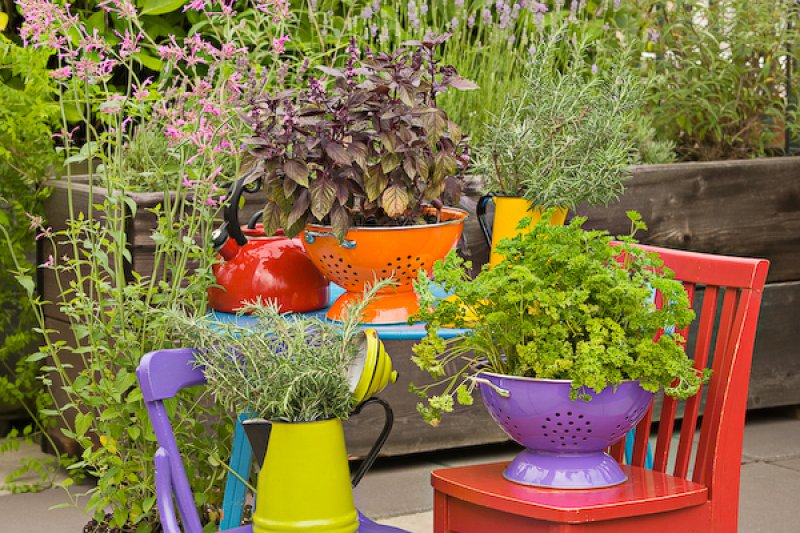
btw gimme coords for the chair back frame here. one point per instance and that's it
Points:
(162, 374)
(733, 289)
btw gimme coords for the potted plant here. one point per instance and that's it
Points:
(565, 344)
(371, 160)
(565, 138)
(303, 375)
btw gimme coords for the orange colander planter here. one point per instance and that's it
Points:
(368, 253)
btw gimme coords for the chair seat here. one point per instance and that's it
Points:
(645, 492)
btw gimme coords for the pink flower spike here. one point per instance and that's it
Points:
(63, 73)
(140, 92)
(213, 175)
(187, 182)
(43, 232)
(36, 221)
(195, 5)
(121, 7)
(279, 44)
(113, 105)
(49, 263)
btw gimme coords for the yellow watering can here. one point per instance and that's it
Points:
(508, 213)
(305, 484)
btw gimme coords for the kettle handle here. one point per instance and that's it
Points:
(480, 213)
(368, 461)
(230, 227)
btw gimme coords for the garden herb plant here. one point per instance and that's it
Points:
(291, 369)
(369, 148)
(567, 136)
(564, 304)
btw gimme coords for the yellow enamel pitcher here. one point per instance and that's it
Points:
(508, 213)
(305, 484)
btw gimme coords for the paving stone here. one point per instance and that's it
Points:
(402, 487)
(768, 499)
(772, 439)
(28, 513)
(414, 523)
(791, 464)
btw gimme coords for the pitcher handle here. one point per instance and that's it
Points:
(480, 213)
(366, 464)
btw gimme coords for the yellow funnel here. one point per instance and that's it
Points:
(371, 370)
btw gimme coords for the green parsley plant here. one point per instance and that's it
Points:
(564, 304)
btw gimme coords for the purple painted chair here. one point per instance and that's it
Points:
(161, 375)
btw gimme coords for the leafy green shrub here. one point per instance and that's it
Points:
(28, 113)
(718, 71)
(559, 306)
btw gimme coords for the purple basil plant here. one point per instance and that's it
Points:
(365, 146)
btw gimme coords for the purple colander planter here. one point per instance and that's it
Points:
(565, 439)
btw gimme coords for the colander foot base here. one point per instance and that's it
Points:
(591, 470)
(394, 308)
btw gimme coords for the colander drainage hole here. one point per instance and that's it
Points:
(548, 419)
(553, 442)
(588, 431)
(569, 413)
(584, 438)
(571, 423)
(544, 427)
(558, 423)
(562, 438)
(580, 416)
(558, 414)
(588, 422)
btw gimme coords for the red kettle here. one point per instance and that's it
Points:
(253, 264)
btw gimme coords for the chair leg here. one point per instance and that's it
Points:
(440, 512)
(235, 489)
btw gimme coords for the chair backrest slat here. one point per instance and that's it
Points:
(719, 375)
(642, 438)
(702, 347)
(666, 425)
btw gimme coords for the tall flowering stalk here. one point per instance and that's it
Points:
(492, 40)
(178, 133)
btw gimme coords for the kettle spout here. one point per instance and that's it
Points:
(225, 245)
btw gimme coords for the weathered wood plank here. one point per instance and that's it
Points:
(742, 208)
(775, 375)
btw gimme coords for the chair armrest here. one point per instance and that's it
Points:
(166, 507)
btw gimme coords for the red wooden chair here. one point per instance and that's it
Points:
(668, 497)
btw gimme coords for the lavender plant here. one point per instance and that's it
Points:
(370, 147)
